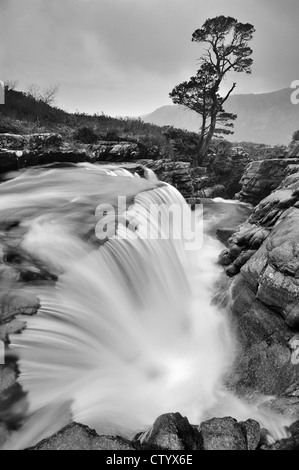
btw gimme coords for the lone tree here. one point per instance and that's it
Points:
(227, 51)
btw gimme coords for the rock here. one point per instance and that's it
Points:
(226, 169)
(263, 176)
(263, 363)
(4, 434)
(252, 432)
(11, 160)
(8, 378)
(170, 432)
(117, 151)
(222, 434)
(12, 141)
(214, 191)
(44, 141)
(176, 173)
(290, 443)
(224, 234)
(79, 437)
(13, 327)
(285, 406)
(16, 302)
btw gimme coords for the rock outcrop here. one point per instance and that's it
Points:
(169, 432)
(176, 173)
(79, 437)
(262, 257)
(264, 176)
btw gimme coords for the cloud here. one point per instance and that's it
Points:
(124, 56)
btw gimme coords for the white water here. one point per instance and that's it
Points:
(128, 332)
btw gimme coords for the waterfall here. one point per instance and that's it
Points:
(127, 332)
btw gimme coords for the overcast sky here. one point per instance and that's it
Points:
(123, 57)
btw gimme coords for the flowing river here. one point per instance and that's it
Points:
(126, 330)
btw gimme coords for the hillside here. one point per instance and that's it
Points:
(268, 118)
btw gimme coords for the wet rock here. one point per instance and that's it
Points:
(171, 432)
(224, 234)
(252, 432)
(290, 443)
(13, 327)
(8, 376)
(264, 363)
(222, 434)
(79, 437)
(12, 141)
(4, 434)
(217, 190)
(11, 160)
(15, 302)
(263, 176)
(285, 406)
(44, 141)
(116, 151)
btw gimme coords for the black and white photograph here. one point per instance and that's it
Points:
(149, 233)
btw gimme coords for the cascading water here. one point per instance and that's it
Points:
(127, 332)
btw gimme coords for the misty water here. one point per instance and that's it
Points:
(127, 332)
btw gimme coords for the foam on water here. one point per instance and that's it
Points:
(128, 332)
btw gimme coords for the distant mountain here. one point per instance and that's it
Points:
(268, 118)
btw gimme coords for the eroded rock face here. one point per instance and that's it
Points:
(262, 257)
(169, 432)
(263, 176)
(79, 437)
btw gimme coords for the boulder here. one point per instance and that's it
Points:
(252, 432)
(170, 432)
(79, 437)
(222, 434)
(16, 302)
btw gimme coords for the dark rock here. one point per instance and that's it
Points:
(285, 406)
(263, 176)
(170, 432)
(79, 437)
(8, 377)
(44, 141)
(4, 434)
(13, 327)
(222, 434)
(15, 302)
(224, 233)
(12, 141)
(252, 432)
(14, 160)
(290, 443)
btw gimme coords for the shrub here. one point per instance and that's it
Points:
(85, 135)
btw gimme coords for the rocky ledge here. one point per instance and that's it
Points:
(262, 260)
(264, 176)
(173, 432)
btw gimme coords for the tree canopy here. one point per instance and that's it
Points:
(226, 50)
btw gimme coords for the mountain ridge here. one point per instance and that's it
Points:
(268, 118)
